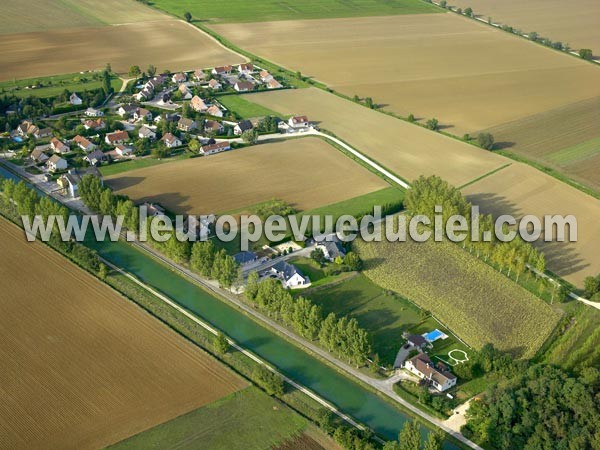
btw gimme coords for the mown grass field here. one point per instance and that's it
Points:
(54, 85)
(384, 314)
(83, 367)
(520, 190)
(476, 302)
(245, 108)
(247, 419)
(400, 147)
(139, 163)
(238, 179)
(40, 15)
(464, 73)
(264, 10)
(574, 22)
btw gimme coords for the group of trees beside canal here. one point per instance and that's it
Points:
(341, 336)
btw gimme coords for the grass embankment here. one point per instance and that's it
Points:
(478, 303)
(261, 420)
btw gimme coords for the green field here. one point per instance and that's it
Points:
(126, 166)
(475, 301)
(244, 108)
(55, 85)
(267, 10)
(576, 153)
(384, 314)
(243, 420)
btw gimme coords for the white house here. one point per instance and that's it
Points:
(298, 122)
(222, 70)
(290, 275)
(58, 146)
(186, 93)
(123, 150)
(243, 86)
(95, 158)
(331, 249)
(244, 125)
(179, 77)
(55, 163)
(171, 141)
(246, 68)
(211, 149)
(439, 376)
(214, 84)
(141, 114)
(126, 110)
(92, 112)
(74, 99)
(146, 133)
(214, 111)
(116, 137)
(38, 155)
(84, 144)
(197, 104)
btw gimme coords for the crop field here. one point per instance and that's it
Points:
(574, 22)
(479, 304)
(143, 43)
(405, 149)
(307, 173)
(83, 367)
(265, 10)
(262, 421)
(520, 189)
(41, 15)
(385, 315)
(464, 73)
(565, 139)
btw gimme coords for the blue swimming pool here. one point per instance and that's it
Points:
(433, 335)
(17, 139)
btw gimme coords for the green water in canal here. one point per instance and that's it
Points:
(348, 396)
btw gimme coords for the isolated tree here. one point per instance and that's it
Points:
(486, 140)
(151, 71)
(469, 12)
(353, 261)
(188, 16)
(591, 285)
(411, 118)
(221, 344)
(433, 124)
(369, 103)
(135, 71)
(194, 146)
(250, 136)
(102, 271)
(443, 3)
(586, 54)
(106, 86)
(318, 256)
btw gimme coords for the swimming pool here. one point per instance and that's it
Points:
(17, 139)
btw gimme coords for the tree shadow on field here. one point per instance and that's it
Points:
(444, 126)
(372, 263)
(517, 352)
(561, 257)
(503, 145)
(123, 182)
(174, 202)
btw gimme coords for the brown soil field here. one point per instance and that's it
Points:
(27, 55)
(307, 173)
(540, 136)
(520, 189)
(464, 73)
(574, 22)
(38, 15)
(406, 149)
(82, 367)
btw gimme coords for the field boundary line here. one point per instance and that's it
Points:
(485, 175)
(212, 38)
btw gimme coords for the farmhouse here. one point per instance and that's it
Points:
(439, 377)
(55, 163)
(243, 86)
(186, 94)
(244, 125)
(213, 127)
(290, 275)
(117, 137)
(146, 133)
(222, 70)
(186, 124)
(58, 146)
(214, 84)
(179, 77)
(274, 84)
(246, 68)
(142, 114)
(74, 99)
(95, 158)
(265, 76)
(214, 111)
(199, 75)
(93, 112)
(298, 122)
(170, 140)
(123, 150)
(198, 104)
(211, 149)
(38, 156)
(331, 249)
(83, 143)
(42, 133)
(126, 110)
(96, 124)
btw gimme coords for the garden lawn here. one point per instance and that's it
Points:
(384, 314)
(55, 85)
(244, 108)
(474, 300)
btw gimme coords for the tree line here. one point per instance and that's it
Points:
(341, 336)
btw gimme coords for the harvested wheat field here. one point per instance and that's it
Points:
(574, 22)
(405, 149)
(68, 50)
(466, 74)
(82, 367)
(520, 189)
(307, 173)
(566, 139)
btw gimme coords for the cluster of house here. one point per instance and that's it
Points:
(243, 78)
(436, 375)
